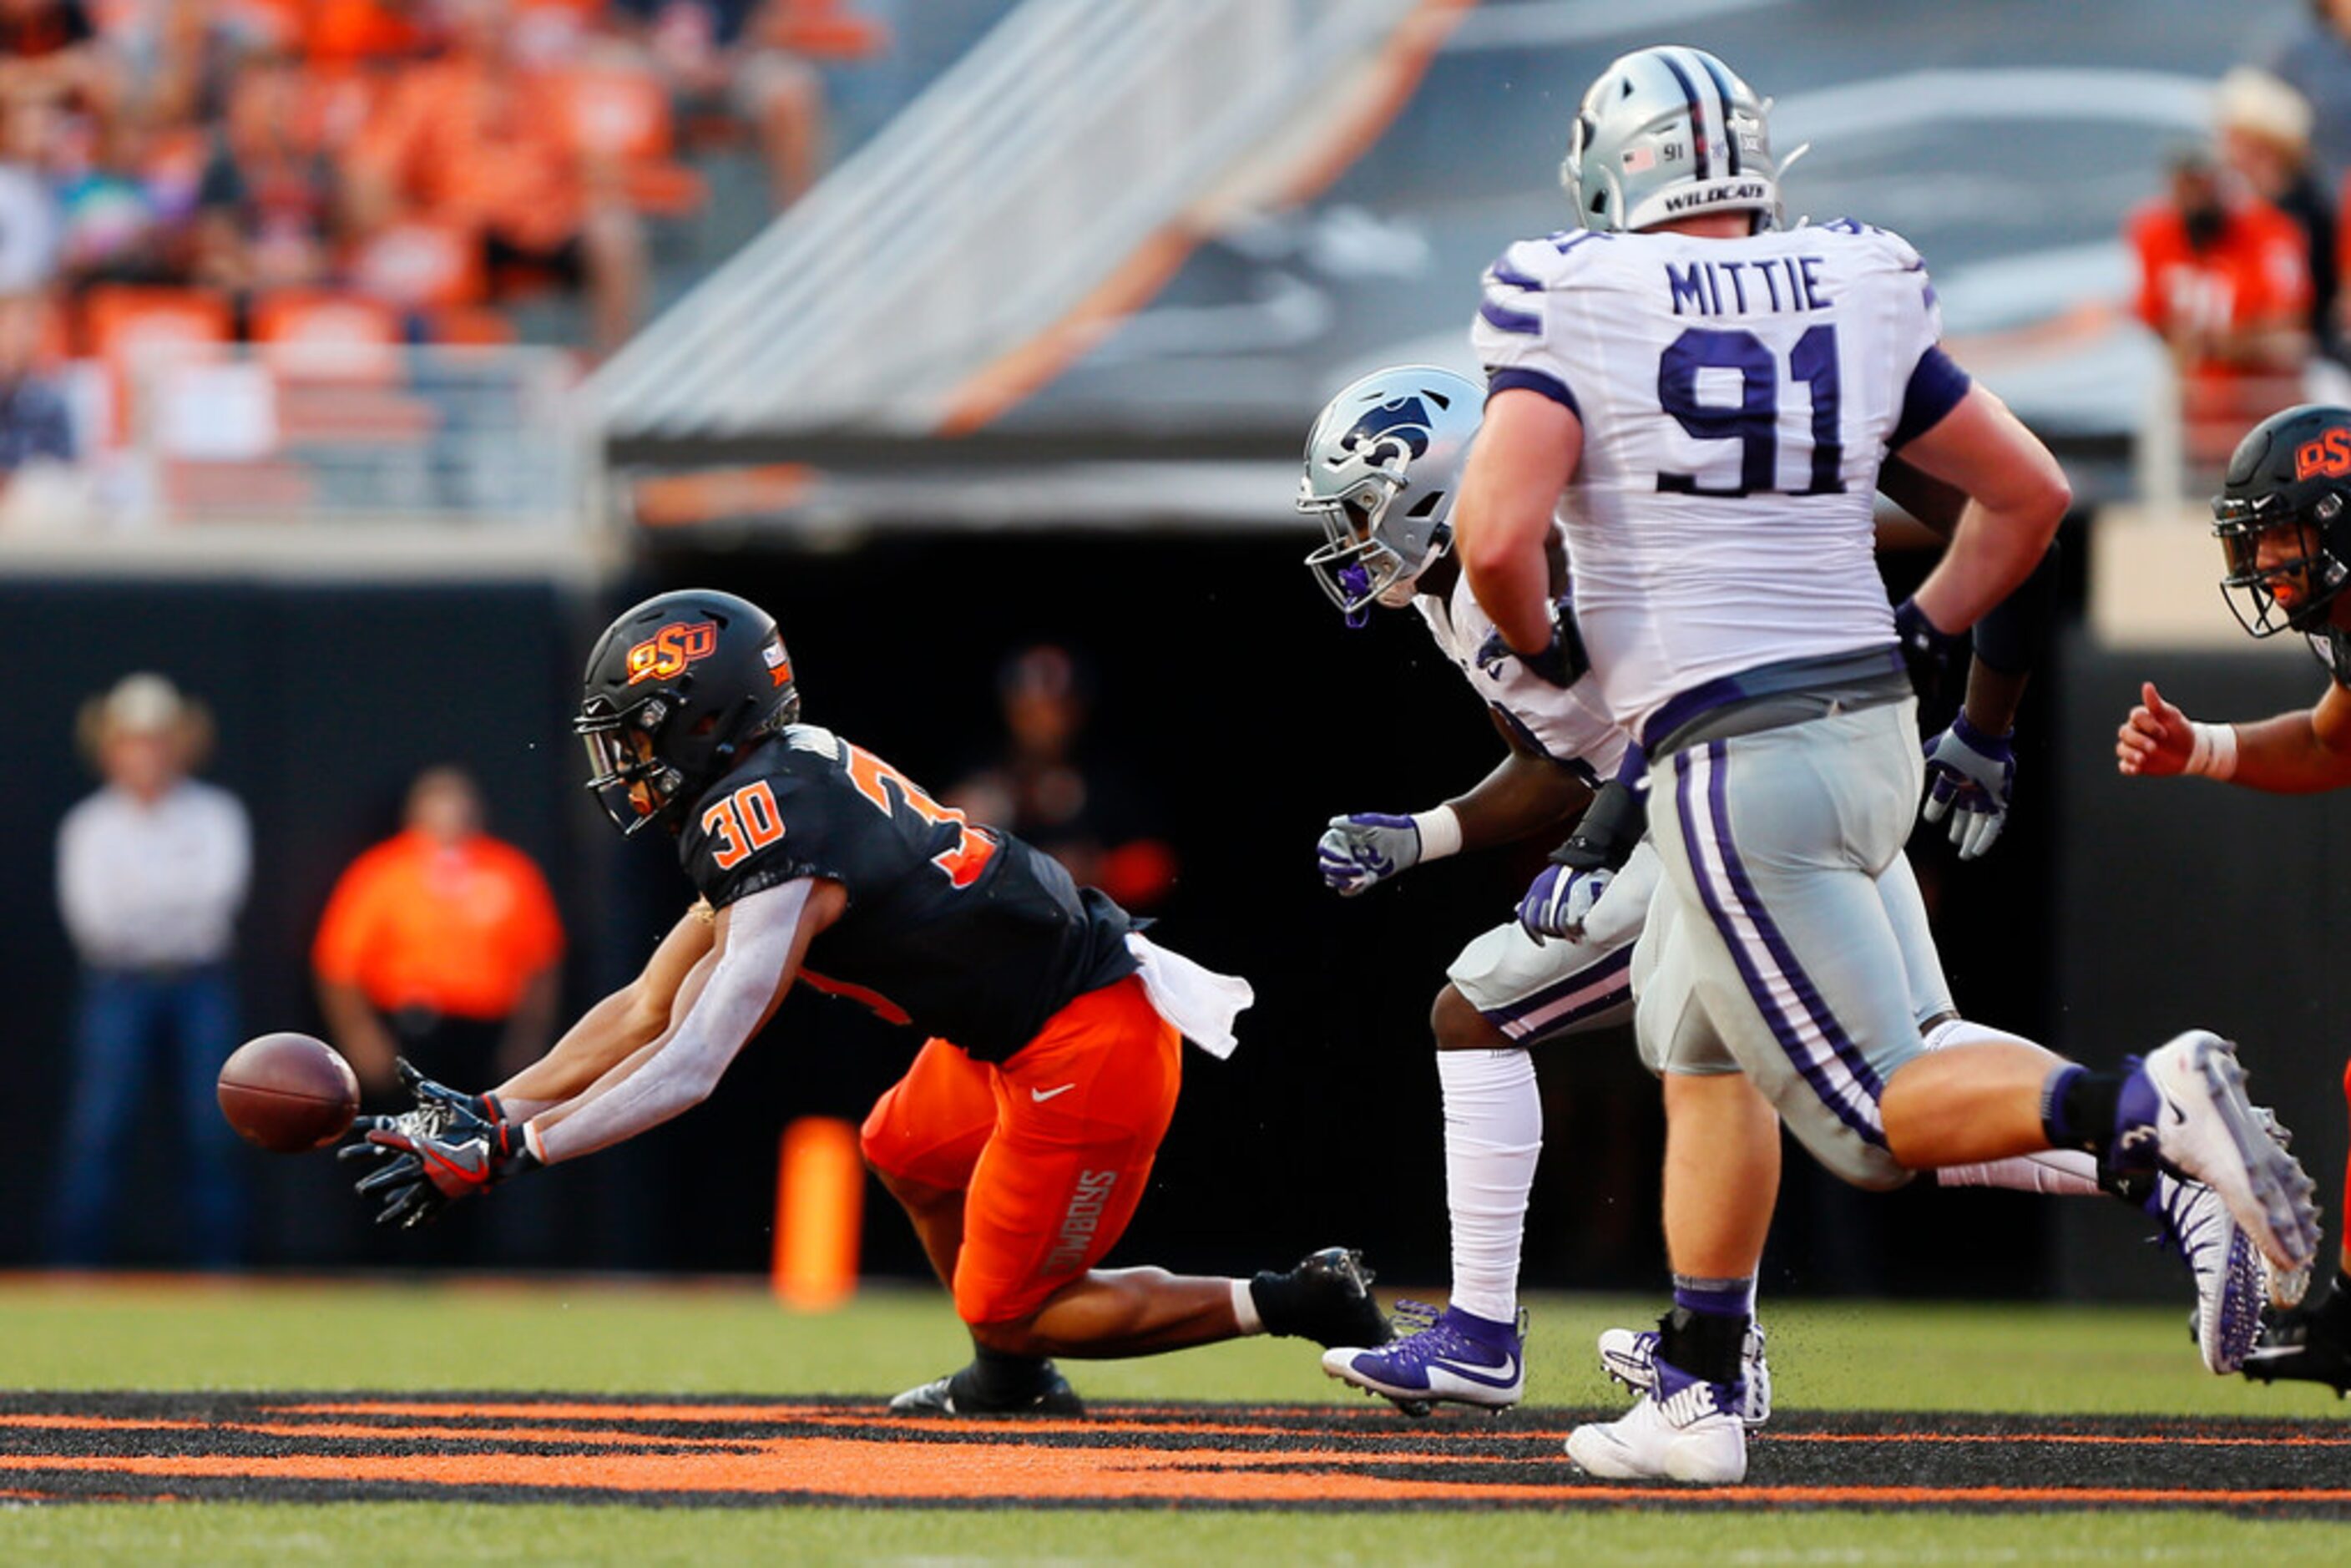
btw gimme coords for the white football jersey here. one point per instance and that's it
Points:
(1737, 398)
(1573, 726)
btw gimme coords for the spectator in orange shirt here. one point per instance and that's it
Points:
(476, 141)
(2224, 279)
(440, 944)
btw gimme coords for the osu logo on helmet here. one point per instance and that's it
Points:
(2329, 455)
(670, 650)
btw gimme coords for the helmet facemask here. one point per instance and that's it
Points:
(2282, 572)
(627, 774)
(1360, 567)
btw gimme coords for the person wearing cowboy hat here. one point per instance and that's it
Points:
(152, 871)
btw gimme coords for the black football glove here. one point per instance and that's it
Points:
(444, 1119)
(1929, 653)
(1562, 660)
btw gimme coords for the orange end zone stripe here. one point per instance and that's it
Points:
(2182, 1440)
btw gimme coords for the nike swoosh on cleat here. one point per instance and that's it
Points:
(1502, 1379)
(1041, 1095)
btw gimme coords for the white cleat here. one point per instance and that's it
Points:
(2284, 1287)
(2228, 1269)
(1630, 1356)
(2206, 1130)
(1694, 1435)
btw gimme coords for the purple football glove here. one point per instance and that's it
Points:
(1559, 900)
(1969, 778)
(1364, 848)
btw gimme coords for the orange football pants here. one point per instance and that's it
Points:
(1050, 1149)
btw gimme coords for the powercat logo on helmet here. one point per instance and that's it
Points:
(670, 650)
(1405, 418)
(2329, 455)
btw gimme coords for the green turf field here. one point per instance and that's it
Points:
(603, 1336)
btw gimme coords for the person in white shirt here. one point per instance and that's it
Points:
(152, 871)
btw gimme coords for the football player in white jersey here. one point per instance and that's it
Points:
(1383, 466)
(1703, 400)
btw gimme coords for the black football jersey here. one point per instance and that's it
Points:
(960, 930)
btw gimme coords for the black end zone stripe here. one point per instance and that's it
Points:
(1696, 117)
(1722, 85)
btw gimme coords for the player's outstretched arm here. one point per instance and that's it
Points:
(622, 1023)
(2293, 754)
(758, 942)
(1527, 793)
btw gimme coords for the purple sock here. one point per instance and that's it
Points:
(1716, 1297)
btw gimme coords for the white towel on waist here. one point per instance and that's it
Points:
(1197, 1000)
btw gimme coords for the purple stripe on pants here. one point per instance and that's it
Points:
(1801, 1053)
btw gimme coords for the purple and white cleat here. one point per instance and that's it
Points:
(1630, 1356)
(2229, 1272)
(1448, 1358)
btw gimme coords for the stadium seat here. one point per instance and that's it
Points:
(468, 327)
(324, 334)
(122, 319)
(825, 30)
(419, 266)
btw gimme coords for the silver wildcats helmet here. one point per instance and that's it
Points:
(1670, 133)
(1383, 464)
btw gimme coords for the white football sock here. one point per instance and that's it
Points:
(2062, 1173)
(1493, 1136)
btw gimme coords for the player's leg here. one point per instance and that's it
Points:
(1081, 1110)
(1701, 1373)
(1507, 990)
(1765, 826)
(923, 1138)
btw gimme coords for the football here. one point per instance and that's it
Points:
(288, 1093)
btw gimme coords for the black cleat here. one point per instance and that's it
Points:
(955, 1395)
(2302, 1346)
(1327, 1298)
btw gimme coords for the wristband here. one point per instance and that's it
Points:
(2213, 751)
(1440, 832)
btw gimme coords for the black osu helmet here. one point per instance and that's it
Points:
(2283, 518)
(674, 690)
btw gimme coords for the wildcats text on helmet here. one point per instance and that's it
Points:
(1742, 192)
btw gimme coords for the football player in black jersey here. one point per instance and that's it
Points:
(2281, 518)
(1021, 1139)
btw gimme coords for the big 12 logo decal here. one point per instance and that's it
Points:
(670, 650)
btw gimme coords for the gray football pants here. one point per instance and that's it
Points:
(1769, 945)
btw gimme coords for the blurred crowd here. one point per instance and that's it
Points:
(2242, 256)
(427, 158)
